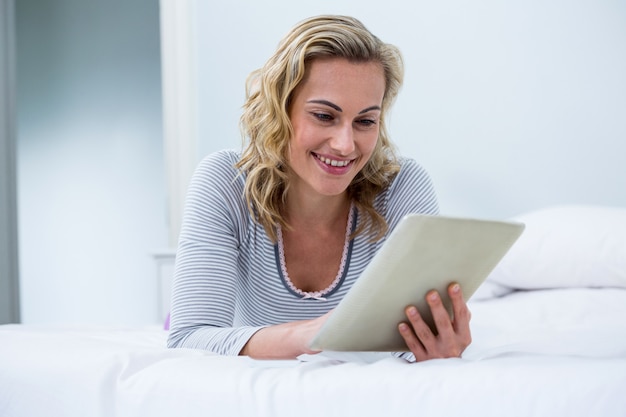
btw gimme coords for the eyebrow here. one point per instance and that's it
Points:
(339, 109)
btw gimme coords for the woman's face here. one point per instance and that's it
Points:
(335, 113)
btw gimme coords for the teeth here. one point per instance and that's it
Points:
(333, 162)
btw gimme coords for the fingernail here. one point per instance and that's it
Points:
(433, 296)
(456, 288)
(412, 312)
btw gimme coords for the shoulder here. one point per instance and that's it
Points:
(217, 181)
(220, 162)
(214, 199)
(218, 170)
(411, 191)
(410, 167)
(411, 174)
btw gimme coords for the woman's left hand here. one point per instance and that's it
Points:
(453, 335)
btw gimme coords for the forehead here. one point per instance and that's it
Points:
(340, 79)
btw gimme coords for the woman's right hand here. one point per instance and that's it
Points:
(309, 329)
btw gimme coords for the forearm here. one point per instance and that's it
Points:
(282, 341)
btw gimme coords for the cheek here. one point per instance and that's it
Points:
(369, 145)
(304, 139)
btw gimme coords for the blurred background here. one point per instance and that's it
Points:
(510, 105)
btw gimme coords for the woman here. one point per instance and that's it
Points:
(274, 237)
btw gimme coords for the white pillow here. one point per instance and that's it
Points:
(567, 246)
(489, 290)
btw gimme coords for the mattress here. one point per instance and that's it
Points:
(549, 339)
(539, 352)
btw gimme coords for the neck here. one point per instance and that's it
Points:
(317, 211)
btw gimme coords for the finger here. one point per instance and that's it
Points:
(420, 328)
(442, 320)
(462, 314)
(412, 342)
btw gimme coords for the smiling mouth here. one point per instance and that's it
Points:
(333, 162)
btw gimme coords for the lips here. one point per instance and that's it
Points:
(339, 163)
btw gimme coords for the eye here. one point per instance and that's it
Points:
(323, 117)
(366, 122)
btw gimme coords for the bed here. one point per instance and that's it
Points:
(549, 330)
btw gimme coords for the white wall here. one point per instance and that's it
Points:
(92, 203)
(511, 105)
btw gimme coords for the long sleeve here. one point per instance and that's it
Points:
(206, 272)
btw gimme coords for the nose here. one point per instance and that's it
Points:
(342, 140)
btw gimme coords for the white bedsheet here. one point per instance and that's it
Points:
(535, 353)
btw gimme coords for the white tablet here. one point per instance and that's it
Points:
(421, 254)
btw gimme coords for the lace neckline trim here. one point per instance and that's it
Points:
(317, 295)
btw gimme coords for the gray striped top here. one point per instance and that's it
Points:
(228, 282)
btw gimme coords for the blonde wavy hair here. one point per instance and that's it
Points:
(266, 125)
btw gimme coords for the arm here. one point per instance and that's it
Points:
(216, 225)
(412, 192)
(283, 341)
(206, 272)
